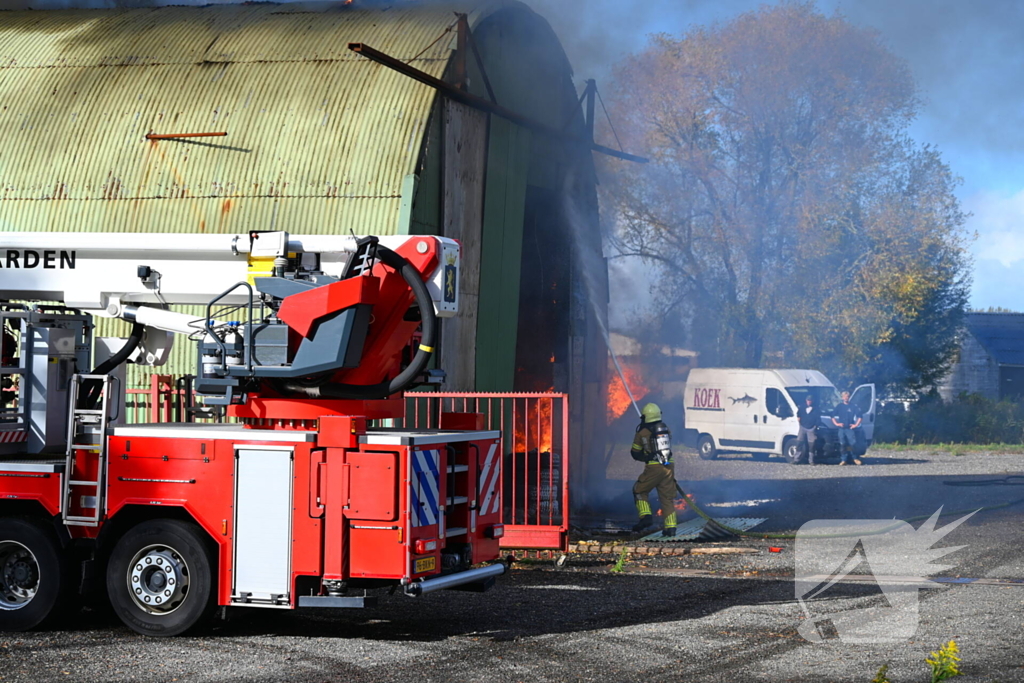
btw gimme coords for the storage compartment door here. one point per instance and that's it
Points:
(263, 516)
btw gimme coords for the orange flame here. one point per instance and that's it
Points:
(618, 397)
(533, 426)
(681, 505)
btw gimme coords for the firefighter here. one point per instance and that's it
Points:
(653, 447)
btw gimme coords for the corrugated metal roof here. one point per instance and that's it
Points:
(319, 139)
(1002, 335)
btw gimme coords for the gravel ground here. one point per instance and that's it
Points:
(659, 620)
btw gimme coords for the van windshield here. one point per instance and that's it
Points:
(826, 398)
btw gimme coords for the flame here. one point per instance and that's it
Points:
(681, 505)
(533, 426)
(618, 397)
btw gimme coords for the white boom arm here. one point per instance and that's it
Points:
(118, 274)
(98, 272)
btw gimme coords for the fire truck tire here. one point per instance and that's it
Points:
(706, 447)
(160, 578)
(34, 578)
(791, 451)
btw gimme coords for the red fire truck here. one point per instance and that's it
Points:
(306, 496)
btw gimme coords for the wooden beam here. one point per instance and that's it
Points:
(480, 103)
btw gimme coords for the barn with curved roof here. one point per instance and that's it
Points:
(322, 140)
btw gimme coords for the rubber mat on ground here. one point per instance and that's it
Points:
(700, 529)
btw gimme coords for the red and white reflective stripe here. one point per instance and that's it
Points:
(489, 476)
(14, 437)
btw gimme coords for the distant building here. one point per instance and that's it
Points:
(991, 358)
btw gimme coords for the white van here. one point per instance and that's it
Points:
(754, 411)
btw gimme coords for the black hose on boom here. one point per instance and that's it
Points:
(91, 388)
(405, 379)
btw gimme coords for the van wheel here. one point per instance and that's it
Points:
(791, 451)
(706, 447)
(160, 578)
(761, 457)
(34, 578)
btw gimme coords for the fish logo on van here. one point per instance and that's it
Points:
(746, 400)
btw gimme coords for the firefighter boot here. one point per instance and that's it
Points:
(669, 531)
(644, 523)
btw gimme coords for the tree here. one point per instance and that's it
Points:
(789, 217)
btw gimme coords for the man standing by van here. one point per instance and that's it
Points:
(807, 435)
(652, 446)
(847, 417)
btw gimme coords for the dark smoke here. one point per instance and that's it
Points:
(967, 59)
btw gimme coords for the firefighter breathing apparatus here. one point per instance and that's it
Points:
(660, 437)
(652, 413)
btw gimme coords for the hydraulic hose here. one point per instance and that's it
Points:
(364, 392)
(91, 393)
(134, 339)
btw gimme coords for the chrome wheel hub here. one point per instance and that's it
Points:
(158, 579)
(19, 575)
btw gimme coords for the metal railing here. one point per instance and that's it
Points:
(166, 399)
(535, 466)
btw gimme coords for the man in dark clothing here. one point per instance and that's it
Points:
(652, 446)
(847, 417)
(807, 436)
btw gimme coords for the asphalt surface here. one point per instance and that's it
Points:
(687, 618)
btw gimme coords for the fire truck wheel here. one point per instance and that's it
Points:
(160, 578)
(706, 447)
(34, 578)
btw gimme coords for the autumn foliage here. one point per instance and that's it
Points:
(789, 217)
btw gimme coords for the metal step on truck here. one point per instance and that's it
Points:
(300, 501)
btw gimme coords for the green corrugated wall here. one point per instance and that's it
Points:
(498, 317)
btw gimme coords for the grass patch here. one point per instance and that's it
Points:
(620, 564)
(882, 675)
(944, 664)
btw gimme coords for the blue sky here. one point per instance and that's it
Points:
(967, 58)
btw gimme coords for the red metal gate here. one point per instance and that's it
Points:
(535, 467)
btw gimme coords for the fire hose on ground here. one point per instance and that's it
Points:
(883, 530)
